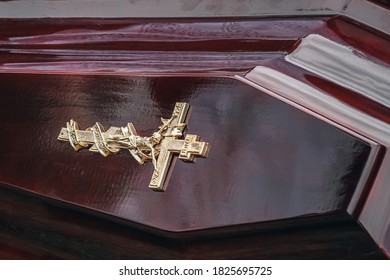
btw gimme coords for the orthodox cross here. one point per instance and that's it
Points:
(158, 148)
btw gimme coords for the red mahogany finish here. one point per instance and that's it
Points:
(268, 161)
(125, 46)
(275, 173)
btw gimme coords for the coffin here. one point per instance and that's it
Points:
(295, 112)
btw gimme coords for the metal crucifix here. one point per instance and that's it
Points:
(158, 148)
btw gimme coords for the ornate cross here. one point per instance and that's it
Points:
(158, 148)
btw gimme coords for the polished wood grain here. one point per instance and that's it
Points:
(374, 45)
(125, 46)
(35, 229)
(276, 184)
(268, 160)
(156, 34)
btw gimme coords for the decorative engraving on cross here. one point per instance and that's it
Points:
(159, 148)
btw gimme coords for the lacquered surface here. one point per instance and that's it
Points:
(127, 46)
(343, 66)
(56, 232)
(268, 160)
(273, 185)
(371, 45)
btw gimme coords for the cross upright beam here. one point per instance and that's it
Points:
(159, 148)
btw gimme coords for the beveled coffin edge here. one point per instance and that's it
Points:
(355, 9)
(375, 151)
(375, 207)
(55, 232)
(284, 96)
(295, 223)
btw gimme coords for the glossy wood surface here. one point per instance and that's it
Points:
(127, 46)
(373, 46)
(33, 229)
(268, 161)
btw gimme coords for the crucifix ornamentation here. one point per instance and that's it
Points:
(158, 148)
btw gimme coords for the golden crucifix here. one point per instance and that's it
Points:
(158, 148)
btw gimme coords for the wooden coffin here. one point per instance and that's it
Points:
(294, 109)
